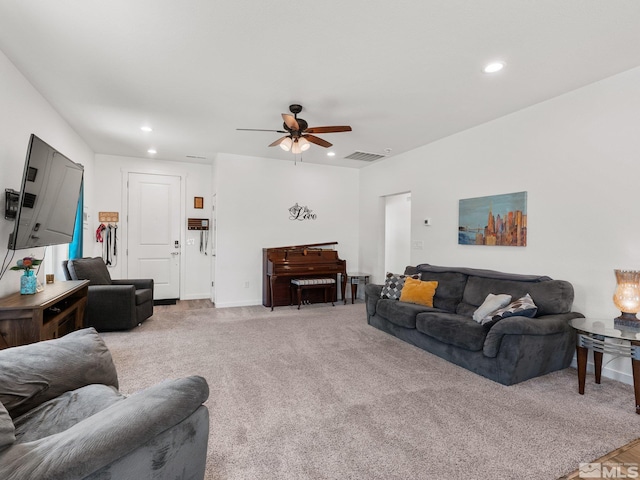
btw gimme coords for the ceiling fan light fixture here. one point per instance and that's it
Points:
(296, 148)
(286, 144)
(304, 144)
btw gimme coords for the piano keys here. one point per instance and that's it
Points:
(281, 264)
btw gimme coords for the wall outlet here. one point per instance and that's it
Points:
(246, 284)
(191, 241)
(417, 244)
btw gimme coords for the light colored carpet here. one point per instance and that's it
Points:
(319, 394)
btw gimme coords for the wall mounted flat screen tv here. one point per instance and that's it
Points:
(45, 213)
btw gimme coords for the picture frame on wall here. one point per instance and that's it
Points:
(495, 220)
(198, 202)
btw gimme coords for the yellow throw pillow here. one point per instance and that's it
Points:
(416, 291)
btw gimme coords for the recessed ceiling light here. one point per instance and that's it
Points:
(145, 128)
(331, 154)
(493, 67)
(151, 150)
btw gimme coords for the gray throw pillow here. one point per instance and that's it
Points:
(491, 304)
(523, 307)
(92, 269)
(7, 430)
(393, 285)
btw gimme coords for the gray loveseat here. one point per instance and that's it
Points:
(62, 417)
(508, 351)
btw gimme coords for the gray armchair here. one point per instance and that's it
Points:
(63, 418)
(111, 304)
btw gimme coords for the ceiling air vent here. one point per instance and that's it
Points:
(367, 157)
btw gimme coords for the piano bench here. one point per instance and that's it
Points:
(300, 284)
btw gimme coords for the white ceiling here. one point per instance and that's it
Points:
(402, 73)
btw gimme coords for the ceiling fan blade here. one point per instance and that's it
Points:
(290, 121)
(279, 141)
(343, 128)
(318, 141)
(260, 130)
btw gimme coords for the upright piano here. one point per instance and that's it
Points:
(281, 264)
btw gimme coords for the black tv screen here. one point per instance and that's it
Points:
(48, 200)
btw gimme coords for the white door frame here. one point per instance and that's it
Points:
(125, 223)
(214, 245)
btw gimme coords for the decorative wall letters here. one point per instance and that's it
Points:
(301, 213)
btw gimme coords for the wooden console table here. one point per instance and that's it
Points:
(52, 313)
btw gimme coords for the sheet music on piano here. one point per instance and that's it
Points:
(281, 264)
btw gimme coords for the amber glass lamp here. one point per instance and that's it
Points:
(627, 294)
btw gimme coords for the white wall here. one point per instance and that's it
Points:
(23, 112)
(577, 156)
(253, 198)
(112, 172)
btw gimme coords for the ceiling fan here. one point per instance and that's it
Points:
(299, 136)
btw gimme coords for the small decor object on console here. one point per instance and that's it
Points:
(28, 281)
(627, 296)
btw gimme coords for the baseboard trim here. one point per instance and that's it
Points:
(165, 301)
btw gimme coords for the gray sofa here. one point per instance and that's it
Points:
(62, 417)
(508, 351)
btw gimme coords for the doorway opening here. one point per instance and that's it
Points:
(397, 232)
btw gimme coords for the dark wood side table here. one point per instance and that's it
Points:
(606, 336)
(354, 280)
(52, 313)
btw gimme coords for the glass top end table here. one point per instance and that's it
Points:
(610, 336)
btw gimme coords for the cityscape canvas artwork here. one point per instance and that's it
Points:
(493, 220)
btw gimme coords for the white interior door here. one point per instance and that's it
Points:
(213, 239)
(154, 232)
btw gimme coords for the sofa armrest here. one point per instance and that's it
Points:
(106, 436)
(371, 296)
(544, 325)
(112, 300)
(139, 283)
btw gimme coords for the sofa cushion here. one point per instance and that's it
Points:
(523, 307)
(450, 286)
(7, 429)
(63, 412)
(550, 296)
(143, 295)
(401, 313)
(393, 285)
(452, 329)
(92, 269)
(33, 374)
(490, 305)
(417, 291)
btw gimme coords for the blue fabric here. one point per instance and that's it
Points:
(75, 247)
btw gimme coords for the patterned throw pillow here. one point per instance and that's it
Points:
(523, 307)
(393, 285)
